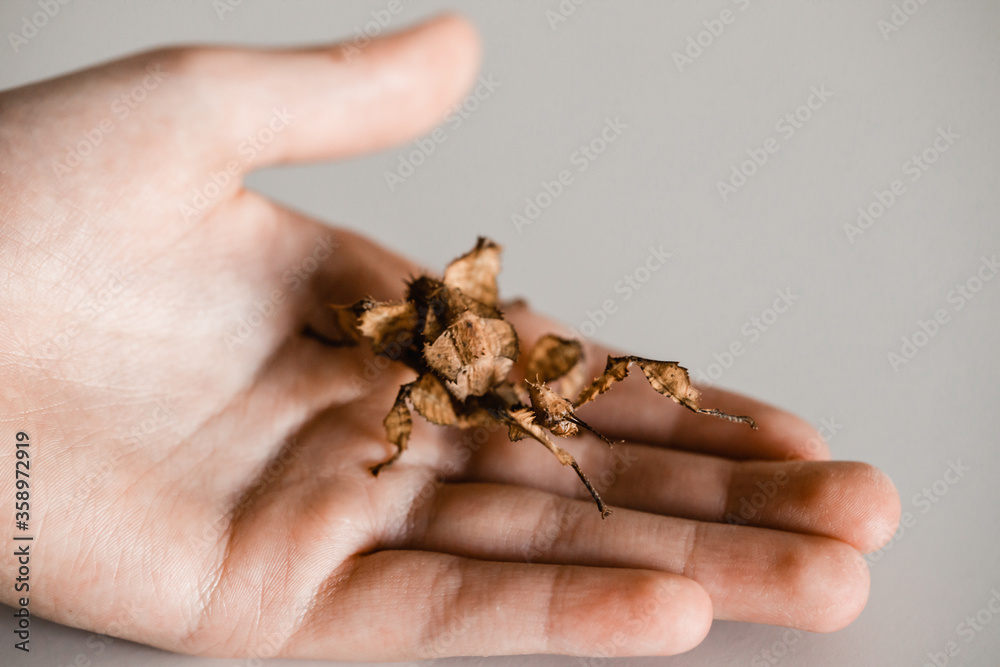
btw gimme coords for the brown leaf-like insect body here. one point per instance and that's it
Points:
(387, 323)
(666, 377)
(473, 355)
(553, 357)
(559, 360)
(432, 401)
(398, 426)
(475, 273)
(452, 333)
(615, 371)
(556, 413)
(522, 424)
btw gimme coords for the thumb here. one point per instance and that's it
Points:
(270, 107)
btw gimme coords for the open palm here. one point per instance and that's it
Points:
(200, 473)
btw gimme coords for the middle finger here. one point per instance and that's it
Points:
(850, 501)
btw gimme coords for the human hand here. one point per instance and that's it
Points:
(202, 485)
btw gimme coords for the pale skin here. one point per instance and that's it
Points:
(214, 498)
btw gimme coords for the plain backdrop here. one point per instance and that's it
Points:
(688, 98)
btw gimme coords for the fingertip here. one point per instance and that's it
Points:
(460, 33)
(664, 614)
(420, 73)
(832, 583)
(884, 511)
(847, 500)
(851, 599)
(689, 628)
(446, 43)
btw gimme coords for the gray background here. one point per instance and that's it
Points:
(826, 358)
